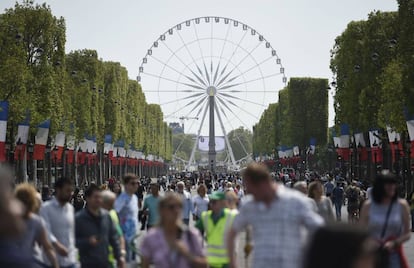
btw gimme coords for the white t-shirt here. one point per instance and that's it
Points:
(200, 204)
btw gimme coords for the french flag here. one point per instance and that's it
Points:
(343, 143)
(41, 140)
(59, 145)
(21, 139)
(81, 155)
(4, 114)
(361, 145)
(376, 151)
(395, 141)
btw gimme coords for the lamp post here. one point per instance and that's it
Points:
(19, 172)
(55, 150)
(359, 160)
(47, 174)
(397, 157)
(407, 171)
(30, 149)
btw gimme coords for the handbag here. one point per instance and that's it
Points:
(382, 255)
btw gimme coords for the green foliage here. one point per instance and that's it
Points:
(241, 142)
(308, 111)
(79, 92)
(372, 61)
(300, 114)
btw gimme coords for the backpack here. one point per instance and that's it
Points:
(353, 195)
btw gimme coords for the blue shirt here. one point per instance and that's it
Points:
(127, 208)
(151, 203)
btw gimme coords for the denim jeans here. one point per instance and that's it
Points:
(338, 208)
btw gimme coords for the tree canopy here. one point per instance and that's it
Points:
(78, 91)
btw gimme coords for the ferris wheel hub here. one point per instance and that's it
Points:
(211, 91)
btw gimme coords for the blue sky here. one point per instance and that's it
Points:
(302, 31)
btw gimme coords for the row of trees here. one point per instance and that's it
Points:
(372, 61)
(300, 114)
(79, 92)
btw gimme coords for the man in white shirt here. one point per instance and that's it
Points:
(187, 203)
(277, 216)
(59, 216)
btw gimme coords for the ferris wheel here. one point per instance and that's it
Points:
(216, 71)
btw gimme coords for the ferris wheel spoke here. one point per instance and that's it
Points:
(198, 78)
(244, 110)
(175, 70)
(232, 112)
(197, 105)
(173, 81)
(248, 55)
(237, 98)
(182, 108)
(260, 78)
(207, 76)
(190, 54)
(248, 70)
(232, 55)
(223, 79)
(185, 98)
(230, 86)
(199, 46)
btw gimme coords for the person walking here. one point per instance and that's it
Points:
(388, 219)
(59, 216)
(187, 203)
(108, 200)
(328, 187)
(215, 225)
(126, 205)
(277, 216)
(95, 231)
(411, 202)
(338, 195)
(151, 204)
(200, 202)
(323, 203)
(35, 231)
(171, 243)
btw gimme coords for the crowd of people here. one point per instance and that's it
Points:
(195, 221)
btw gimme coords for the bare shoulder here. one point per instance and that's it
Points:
(403, 203)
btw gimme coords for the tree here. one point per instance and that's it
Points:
(241, 142)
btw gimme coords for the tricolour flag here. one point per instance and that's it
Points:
(395, 143)
(21, 139)
(4, 114)
(41, 138)
(376, 151)
(361, 146)
(59, 145)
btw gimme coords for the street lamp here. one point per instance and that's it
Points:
(397, 157)
(359, 160)
(55, 149)
(48, 156)
(30, 149)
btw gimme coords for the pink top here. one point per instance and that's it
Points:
(156, 249)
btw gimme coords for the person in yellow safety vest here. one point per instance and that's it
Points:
(215, 225)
